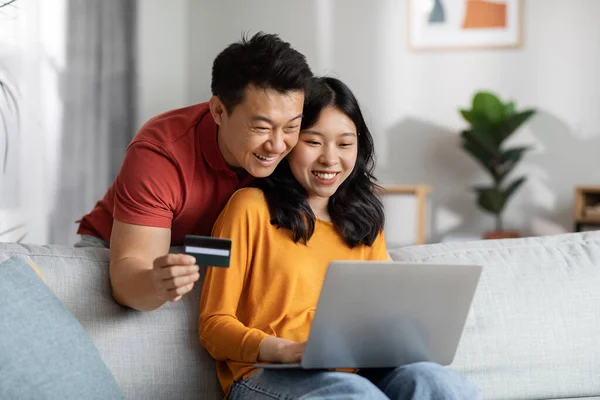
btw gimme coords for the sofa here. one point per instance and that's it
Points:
(533, 331)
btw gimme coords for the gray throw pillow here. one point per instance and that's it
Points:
(44, 351)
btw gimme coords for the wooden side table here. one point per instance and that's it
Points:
(586, 207)
(421, 192)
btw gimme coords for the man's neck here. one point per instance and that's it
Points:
(240, 172)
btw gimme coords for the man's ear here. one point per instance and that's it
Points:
(217, 109)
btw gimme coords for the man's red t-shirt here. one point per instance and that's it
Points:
(173, 176)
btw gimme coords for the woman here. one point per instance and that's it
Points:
(318, 206)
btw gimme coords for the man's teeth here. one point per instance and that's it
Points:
(264, 158)
(325, 176)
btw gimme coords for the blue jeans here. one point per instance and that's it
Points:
(414, 381)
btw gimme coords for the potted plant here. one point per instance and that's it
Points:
(492, 122)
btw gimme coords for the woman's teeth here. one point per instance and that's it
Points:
(325, 176)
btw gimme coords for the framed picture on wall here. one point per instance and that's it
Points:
(464, 24)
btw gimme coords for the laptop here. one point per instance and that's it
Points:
(388, 314)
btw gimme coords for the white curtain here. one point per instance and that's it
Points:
(99, 107)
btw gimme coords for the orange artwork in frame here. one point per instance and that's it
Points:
(464, 24)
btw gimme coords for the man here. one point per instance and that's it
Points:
(183, 166)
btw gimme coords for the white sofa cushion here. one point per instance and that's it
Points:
(153, 355)
(534, 327)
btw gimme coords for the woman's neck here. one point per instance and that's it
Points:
(319, 207)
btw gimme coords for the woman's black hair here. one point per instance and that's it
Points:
(355, 209)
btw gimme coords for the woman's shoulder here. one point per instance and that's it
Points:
(250, 200)
(245, 208)
(248, 195)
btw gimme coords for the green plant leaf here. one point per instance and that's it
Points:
(513, 186)
(467, 115)
(509, 159)
(488, 104)
(477, 120)
(491, 199)
(509, 109)
(482, 139)
(481, 155)
(514, 153)
(512, 123)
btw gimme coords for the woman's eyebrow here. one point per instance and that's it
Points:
(312, 132)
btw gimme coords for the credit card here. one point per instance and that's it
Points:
(209, 251)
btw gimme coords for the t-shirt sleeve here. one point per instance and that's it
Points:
(379, 249)
(221, 333)
(149, 186)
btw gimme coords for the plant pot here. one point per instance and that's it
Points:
(502, 235)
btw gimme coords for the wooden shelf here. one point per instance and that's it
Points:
(585, 198)
(589, 221)
(406, 189)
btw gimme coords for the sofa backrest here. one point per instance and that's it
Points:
(153, 355)
(533, 331)
(534, 327)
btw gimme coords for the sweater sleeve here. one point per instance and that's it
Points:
(221, 333)
(378, 251)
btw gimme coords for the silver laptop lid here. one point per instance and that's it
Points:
(387, 314)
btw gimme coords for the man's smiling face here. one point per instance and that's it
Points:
(261, 130)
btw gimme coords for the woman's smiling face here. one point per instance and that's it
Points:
(325, 154)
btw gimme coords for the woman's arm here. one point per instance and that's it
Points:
(379, 251)
(221, 333)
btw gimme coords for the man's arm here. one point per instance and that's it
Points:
(143, 275)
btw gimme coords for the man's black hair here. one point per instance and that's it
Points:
(264, 61)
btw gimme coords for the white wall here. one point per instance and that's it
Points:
(411, 100)
(224, 22)
(163, 58)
